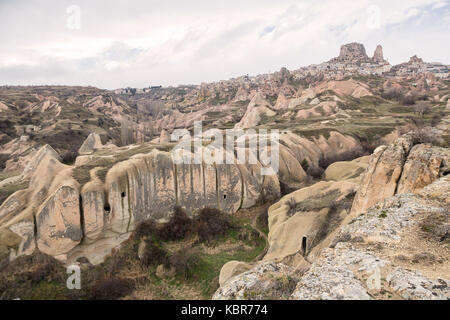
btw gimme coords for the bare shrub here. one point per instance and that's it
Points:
(178, 226)
(315, 172)
(110, 289)
(427, 135)
(153, 253)
(69, 156)
(185, 262)
(210, 224)
(422, 108)
(145, 228)
(292, 206)
(392, 94)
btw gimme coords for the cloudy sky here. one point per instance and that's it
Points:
(137, 43)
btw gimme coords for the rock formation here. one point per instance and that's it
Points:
(384, 253)
(256, 109)
(91, 143)
(378, 54)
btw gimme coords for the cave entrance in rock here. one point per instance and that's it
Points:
(304, 244)
(224, 196)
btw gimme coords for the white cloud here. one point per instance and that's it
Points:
(139, 43)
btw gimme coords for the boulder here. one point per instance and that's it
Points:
(231, 269)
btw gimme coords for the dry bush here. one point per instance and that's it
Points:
(292, 206)
(350, 155)
(153, 254)
(422, 108)
(315, 172)
(178, 226)
(69, 156)
(211, 223)
(427, 135)
(110, 289)
(262, 221)
(185, 262)
(143, 229)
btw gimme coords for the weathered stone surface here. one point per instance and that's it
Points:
(297, 219)
(412, 285)
(331, 279)
(58, 222)
(232, 269)
(425, 164)
(94, 213)
(362, 262)
(382, 175)
(378, 54)
(265, 280)
(345, 170)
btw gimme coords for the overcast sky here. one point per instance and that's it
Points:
(114, 44)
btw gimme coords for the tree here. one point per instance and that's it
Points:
(422, 108)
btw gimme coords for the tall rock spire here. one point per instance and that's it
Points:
(378, 54)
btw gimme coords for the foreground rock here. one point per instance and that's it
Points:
(383, 254)
(392, 244)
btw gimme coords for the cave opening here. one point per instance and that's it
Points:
(304, 244)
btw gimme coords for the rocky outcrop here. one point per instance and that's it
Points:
(256, 109)
(378, 54)
(78, 214)
(400, 168)
(301, 220)
(383, 254)
(345, 170)
(92, 143)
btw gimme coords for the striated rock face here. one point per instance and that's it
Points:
(77, 214)
(58, 222)
(299, 221)
(231, 269)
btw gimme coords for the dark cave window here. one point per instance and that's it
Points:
(304, 244)
(123, 194)
(224, 196)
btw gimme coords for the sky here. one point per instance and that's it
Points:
(141, 43)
